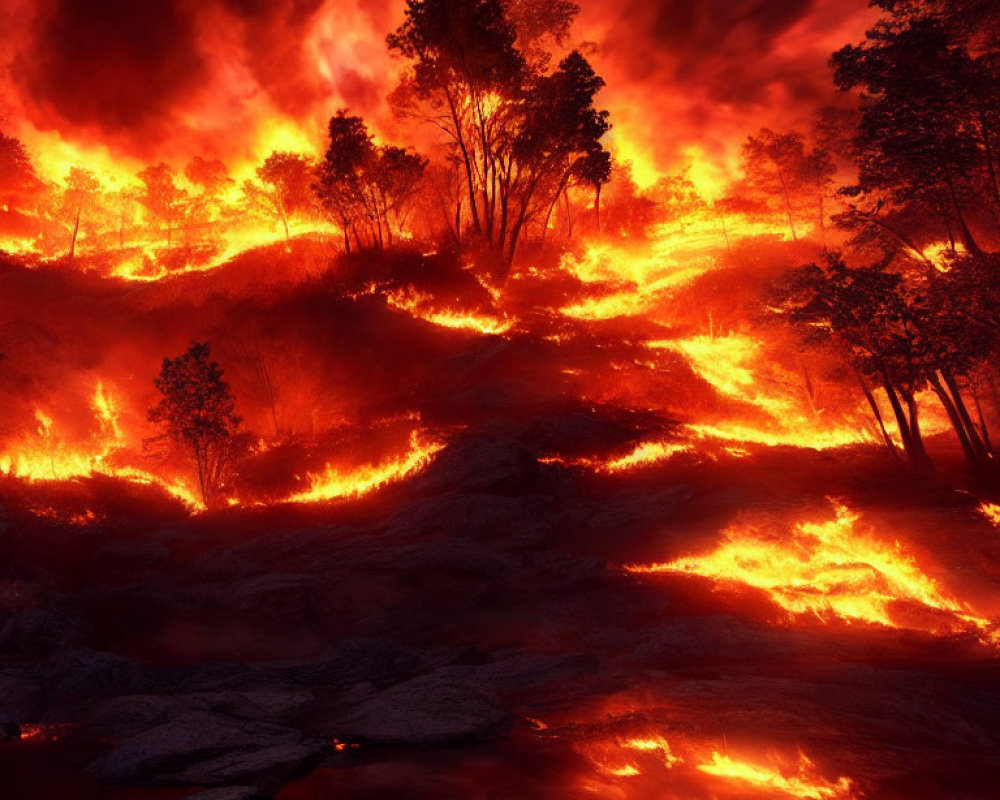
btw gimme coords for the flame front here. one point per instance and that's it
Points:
(831, 570)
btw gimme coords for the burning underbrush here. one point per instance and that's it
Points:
(835, 571)
(637, 761)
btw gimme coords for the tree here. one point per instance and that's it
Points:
(81, 200)
(199, 412)
(162, 197)
(904, 333)
(778, 166)
(594, 170)
(480, 75)
(861, 311)
(927, 136)
(19, 183)
(365, 186)
(285, 187)
(212, 178)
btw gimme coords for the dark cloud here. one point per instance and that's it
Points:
(116, 64)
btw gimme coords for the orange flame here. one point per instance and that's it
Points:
(830, 570)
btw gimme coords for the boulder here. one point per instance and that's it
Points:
(448, 706)
(209, 749)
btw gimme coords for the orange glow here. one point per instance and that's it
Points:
(831, 570)
(644, 454)
(992, 512)
(802, 782)
(422, 306)
(46, 457)
(649, 761)
(336, 483)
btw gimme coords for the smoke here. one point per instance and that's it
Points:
(692, 78)
(177, 78)
(234, 79)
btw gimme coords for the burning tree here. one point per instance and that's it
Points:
(285, 186)
(19, 183)
(519, 132)
(199, 412)
(778, 166)
(81, 200)
(903, 334)
(162, 197)
(364, 186)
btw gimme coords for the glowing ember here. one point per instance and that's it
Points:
(830, 570)
(644, 454)
(803, 782)
(992, 512)
(45, 457)
(633, 765)
(423, 307)
(45, 734)
(334, 483)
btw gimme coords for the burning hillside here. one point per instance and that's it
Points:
(499, 398)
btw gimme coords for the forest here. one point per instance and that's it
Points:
(490, 398)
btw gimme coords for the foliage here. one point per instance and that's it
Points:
(198, 411)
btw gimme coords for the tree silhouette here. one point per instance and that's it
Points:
(81, 201)
(285, 187)
(19, 183)
(198, 410)
(778, 166)
(480, 75)
(365, 186)
(162, 197)
(928, 132)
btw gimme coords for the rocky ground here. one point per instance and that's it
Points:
(470, 633)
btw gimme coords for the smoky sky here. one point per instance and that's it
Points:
(707, 72)
(152, 77)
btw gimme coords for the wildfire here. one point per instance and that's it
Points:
(422, 306)
(642, 455)
(635, 764)
(802, 782)
(733, 366)
(335, 483)
(992, 512)
(831, 570)
(45, 457)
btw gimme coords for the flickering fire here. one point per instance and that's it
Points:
(803, 782)
(631, 766)
(991, 511)
(335, 483)
(424, 306)
(644, 454)
(44, 456)
(831, 570)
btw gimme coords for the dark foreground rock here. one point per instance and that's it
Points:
(209, 749)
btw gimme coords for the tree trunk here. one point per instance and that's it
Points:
(76, 230)
(873, 404)
(788, 204)
(967, 238)
(972, 458)
(963, 413)
(597, 207)
(983, 427)
(913, 446)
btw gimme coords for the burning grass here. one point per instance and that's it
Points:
(834, 570)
